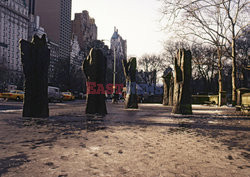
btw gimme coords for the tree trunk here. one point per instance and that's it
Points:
(182, 93)
(220, 75)
(234, 98)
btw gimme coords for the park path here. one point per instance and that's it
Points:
(146, 142)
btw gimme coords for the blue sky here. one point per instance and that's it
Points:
(136, 20)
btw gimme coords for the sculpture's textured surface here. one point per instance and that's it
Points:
(182, 93)
(35, 59)
(94, 68)
(130, 75)
(168, 82)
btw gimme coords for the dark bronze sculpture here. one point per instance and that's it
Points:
(130, 75)
(182, 93)
(168, 82)
(94, 68)
(35, 57)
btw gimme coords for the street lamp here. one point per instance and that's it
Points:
(115, 96)
(114, 72)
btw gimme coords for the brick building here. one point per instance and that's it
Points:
(84, 27)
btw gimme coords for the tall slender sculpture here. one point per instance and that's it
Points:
(168, 82)
(35, 57)
(182, 93)
(130, 75)
(94, 68)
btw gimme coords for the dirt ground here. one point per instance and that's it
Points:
(149, 141)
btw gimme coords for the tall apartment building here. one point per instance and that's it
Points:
(55, 18)
(119, 47)
(13, 27)
(76, 56)
(84, 27)
(35, 28)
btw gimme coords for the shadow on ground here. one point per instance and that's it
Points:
(12, 162)
(222, 124)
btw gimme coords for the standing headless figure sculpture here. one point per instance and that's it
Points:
(35, 59)
(168, 82)
(182, 93)
(94, 68)
(130, 75)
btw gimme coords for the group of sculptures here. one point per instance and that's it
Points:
(35, 56)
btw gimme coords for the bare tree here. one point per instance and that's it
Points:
(149, 63)
(208, 22)
(196, 22)
(243, 58)
(77, 80)
(169, 50)
(237, 12)
(204, 67)
(153, 65)
(204, 58)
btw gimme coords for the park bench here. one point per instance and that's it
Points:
(209, 102)
(245, 103)
(244, 108)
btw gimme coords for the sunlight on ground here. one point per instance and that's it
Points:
(11, 110)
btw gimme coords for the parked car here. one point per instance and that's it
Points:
(13, 95)
(68, 96)
(54, 94)
(78, 95)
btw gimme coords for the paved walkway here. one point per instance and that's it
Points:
(146, 142)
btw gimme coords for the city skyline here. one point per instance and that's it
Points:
(138, 22)
(55, 18)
